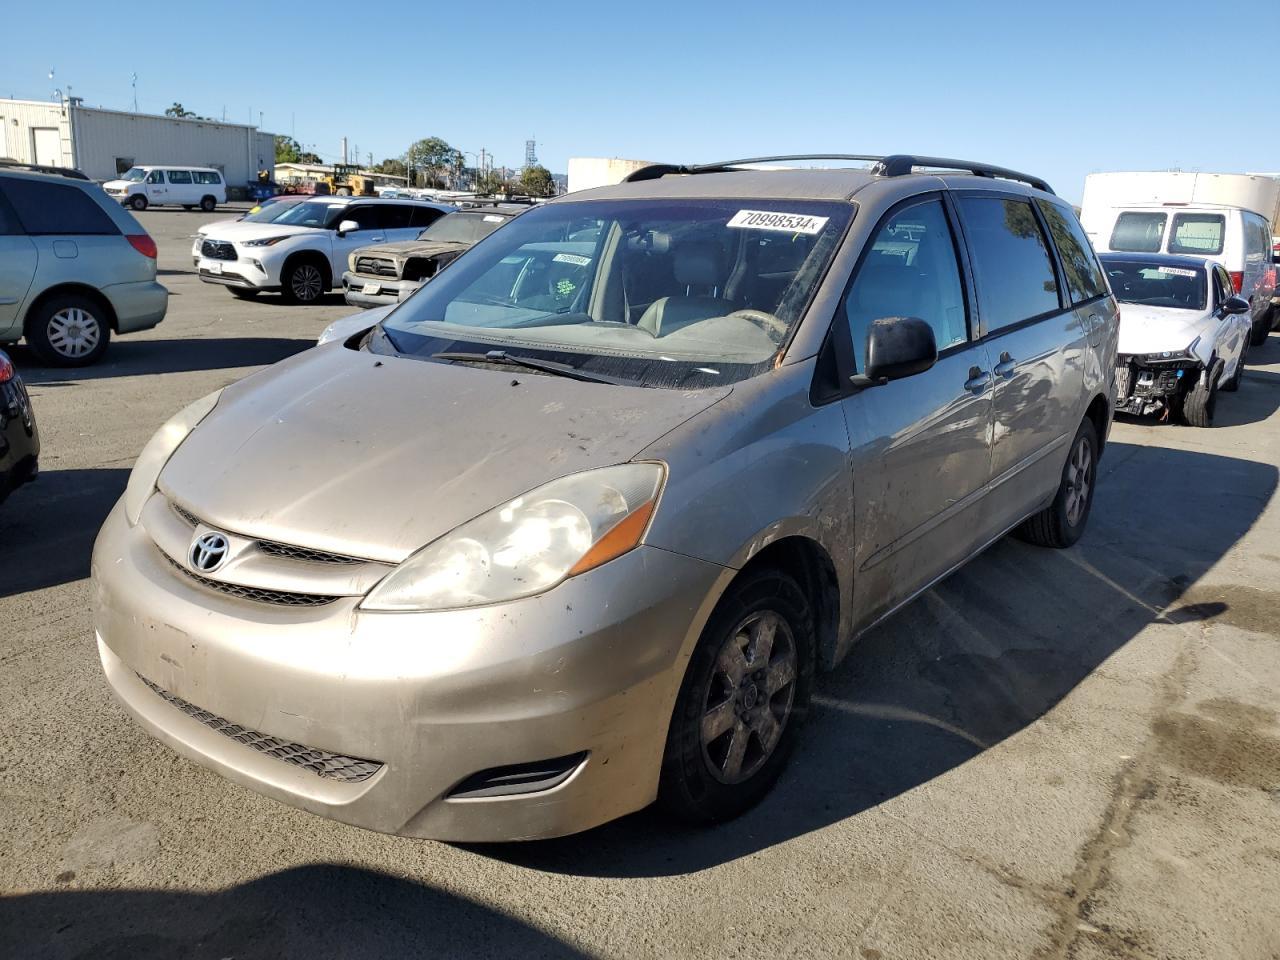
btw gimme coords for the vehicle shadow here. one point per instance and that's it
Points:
(131, 358)
(321, 910)
(1255, 401)
(972, 662)
(47, 528)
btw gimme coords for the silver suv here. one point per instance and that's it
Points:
(571, 529)
(74, 266)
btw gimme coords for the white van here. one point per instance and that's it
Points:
(1221, 217)
(187, 187)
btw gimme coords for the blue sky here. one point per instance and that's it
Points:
(1058, 89)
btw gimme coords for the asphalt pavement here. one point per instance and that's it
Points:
(1052, 754)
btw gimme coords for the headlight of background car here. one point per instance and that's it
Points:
(146, 469)
(262, 242)
(529, 544)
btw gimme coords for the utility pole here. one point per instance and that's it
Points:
(344, 149)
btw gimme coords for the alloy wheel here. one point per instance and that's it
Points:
(749, 697)
(1079, 480)
(306, 283)
(74, 332)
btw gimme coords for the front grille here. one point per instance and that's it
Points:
(217, 250)
(1124, 378)
(271, 548)
(331, 766)
(186, 515)
(376, 267)
(280, 597)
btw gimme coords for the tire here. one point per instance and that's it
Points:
(208, 204)
(705, 780)
(1232, 385)
(138, 202)
(1061, 523)
(1260, 330)
(241, 293)
(69, 330)
(1201, 400)
(303, 281)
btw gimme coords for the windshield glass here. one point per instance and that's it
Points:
(134, 175)
(271, 212)
(309, 213)
(1157, 285)
(1137, 232)
(673, 293)
(462, 227)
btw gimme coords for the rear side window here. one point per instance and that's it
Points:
(1011, 264)
(207, 176)
(1196, 233)
(8, 222)
(179, 176)
(910, 271)
(57, 209)
(1139, 232)
(1083, 275)
(393, 216)
(424, 216)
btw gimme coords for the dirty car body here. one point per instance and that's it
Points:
(571, 528)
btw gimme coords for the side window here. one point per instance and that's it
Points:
(1083, 275)
(155, 176)
(394, 216)
(57, 209)
(8, 222)
(1199, 233)
(1137, 232)
(179, 176)
(911, 270)
(1011, 265)
(424, 216)
(207, 176)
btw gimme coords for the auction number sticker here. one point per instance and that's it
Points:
(781, 222)
(1177, 271)
(572, 258)
(490, 218)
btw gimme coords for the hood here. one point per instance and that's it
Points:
(375, 456)
(1154, 329)
(120, 184)
(240, 230)
(230, 224)
(341, 329)
(411, 248)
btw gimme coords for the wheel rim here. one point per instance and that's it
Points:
(306, 282)
(1079, 480)
(74, 332)
(749, 697)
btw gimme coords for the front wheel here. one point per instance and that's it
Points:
(138, 202)
(1062, 522)
(1202, 399)
(744, 697)
(303, 282)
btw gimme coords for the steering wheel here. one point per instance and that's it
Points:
(768, 321)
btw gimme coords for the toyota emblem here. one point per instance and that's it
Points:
(208, 552)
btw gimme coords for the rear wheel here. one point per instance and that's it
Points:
(208, 204)
(138, 202)
(1201, 400)
(744, 696)
(303, 282)
(69, 331)
(1062, 522)
(1261, 329)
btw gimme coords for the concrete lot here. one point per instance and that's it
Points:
(1053, 754)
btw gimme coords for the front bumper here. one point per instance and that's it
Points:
(1146, 387)
(138, 306)
(235, 273)
(369, 292)
(19, 438)
(590, 668)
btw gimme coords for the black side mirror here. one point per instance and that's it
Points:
(1235, 305)
(898, 347)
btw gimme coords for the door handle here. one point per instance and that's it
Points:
(978, 380)
(1004, 369)
(378, 239)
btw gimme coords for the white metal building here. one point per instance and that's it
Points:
(588, 172)
(104, 143)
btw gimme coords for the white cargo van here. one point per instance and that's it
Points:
(1224, 217)
(188, 187)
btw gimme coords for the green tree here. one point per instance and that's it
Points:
(289, 150)
(432, 158)
(490, 182)
(178, 110)
(393, 166)
(536, 181)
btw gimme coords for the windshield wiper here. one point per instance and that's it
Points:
(531, 363)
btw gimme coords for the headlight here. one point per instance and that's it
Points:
(146, 469)
(528, 545)
(262, 242)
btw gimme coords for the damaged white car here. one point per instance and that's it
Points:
(1184, 335)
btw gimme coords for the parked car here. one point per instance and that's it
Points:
(19, 438)
(572, 528)
(1184, 335)
(1223, 217)
(74, 268)
(188, 187)
(303, 251)
(389, 272)
(262, 213)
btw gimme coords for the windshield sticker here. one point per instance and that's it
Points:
(781, 222)
(1176, 271)
(573, 258)
(490, 218)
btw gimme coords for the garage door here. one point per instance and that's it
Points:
(48, 149)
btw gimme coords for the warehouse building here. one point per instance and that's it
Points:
(588, 172)
(104, 143)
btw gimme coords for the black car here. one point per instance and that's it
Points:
(19, 438)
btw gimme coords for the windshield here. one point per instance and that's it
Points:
(134, 175)
(309, 213)
(1157, 285)
(672, 293)
(272, 211)
(463, 227)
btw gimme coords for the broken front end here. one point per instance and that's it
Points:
(1148, 383)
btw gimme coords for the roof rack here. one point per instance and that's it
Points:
(39, 168)
(894, 165)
